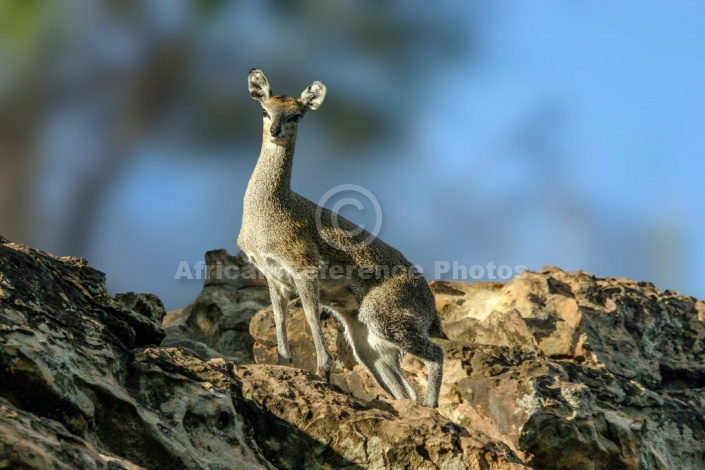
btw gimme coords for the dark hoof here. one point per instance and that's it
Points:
(284, 361)
(323, 373)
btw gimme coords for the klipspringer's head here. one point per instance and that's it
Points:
(281, 114)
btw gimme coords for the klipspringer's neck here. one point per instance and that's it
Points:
(272, 174)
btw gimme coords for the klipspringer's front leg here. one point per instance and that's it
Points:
(280, 304)
(307, 285)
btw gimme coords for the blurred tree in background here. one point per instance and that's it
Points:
(85, 83)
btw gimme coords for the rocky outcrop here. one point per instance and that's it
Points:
(569, 370)
(74, 361)
(84, 383)
(552, 370)
(613, 369)
(217, 322)
(27, 441)
(344, 432)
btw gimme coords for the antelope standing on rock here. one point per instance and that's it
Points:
(300, 246)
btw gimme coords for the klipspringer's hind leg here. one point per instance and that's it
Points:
(432, 355)
(390, 366)
(410, 390)
(405, 330)
(380, 357)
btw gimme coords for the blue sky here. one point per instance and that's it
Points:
(621, 88)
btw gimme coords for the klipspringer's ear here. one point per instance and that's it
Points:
(259, 86)
(312, 96)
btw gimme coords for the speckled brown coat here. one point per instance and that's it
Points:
(385, 304)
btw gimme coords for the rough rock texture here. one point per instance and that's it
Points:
(27, 441)
(615, 373)
(84, 384)
(74, 358)
(217, 323)
(551, 370)
(148, 305)
(569, 370)
(343, 432)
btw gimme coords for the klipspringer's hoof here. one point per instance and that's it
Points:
(284, 361)
(324, 373)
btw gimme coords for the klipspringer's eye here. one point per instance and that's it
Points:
(295, 118)
(265, 113)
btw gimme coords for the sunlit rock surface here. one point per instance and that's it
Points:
(86, 383)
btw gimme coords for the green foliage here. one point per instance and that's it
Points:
(22, 23)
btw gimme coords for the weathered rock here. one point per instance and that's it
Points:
(303, 350)
(569, 370)
(342, 432)
(560, 369)
(71, 354)
(198, 406)
(80, 388)
(615, 373)
(29, 442)
(148, 305)
(219, 319)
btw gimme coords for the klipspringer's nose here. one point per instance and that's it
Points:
(275, 130)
